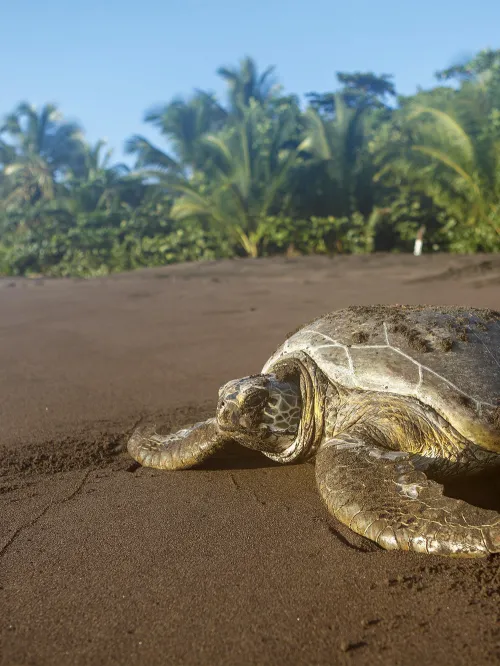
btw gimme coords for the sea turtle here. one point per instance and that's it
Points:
(389, 400)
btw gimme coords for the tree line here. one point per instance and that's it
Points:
(360, 169)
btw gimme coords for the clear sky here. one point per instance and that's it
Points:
(104, 62)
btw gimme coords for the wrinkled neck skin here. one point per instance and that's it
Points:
(301, 372)
(283, 410)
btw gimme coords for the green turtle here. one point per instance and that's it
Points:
(389, 400)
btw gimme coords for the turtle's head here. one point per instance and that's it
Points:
(259, 411)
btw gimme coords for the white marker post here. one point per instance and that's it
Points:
(419, 241)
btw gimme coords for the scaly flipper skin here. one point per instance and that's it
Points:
(180, 450)
(379, 494)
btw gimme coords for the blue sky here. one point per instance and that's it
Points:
(104, 62)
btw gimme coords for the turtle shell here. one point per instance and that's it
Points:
(446, 357)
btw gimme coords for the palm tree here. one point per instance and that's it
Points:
(94, 183)
(450, 152)
(251, 164)
(182, 124)
(246, 84)
(340, 175)
(44, 148)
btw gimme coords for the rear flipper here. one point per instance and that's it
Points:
(379, 494)
(179, 450)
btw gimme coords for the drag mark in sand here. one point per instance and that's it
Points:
(234, 482)
(13, 536)
(251, 492)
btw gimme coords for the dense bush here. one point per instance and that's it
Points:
(100, 243)
(317, 235)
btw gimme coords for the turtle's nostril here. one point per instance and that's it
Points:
(227, 413)
(226, 409)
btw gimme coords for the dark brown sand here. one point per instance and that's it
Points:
(102, 562)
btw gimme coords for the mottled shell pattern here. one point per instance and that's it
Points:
(447, 358)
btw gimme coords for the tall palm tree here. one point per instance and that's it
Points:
(246, 84)
(338, 160)
(450, 152)
(183, 124)
(45, 146)
(94, 183)
(250, 168)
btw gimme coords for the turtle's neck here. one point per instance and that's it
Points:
(283, 410)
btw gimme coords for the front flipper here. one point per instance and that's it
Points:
(179, 450)
(379, 494)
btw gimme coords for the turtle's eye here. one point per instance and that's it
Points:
(256, 398)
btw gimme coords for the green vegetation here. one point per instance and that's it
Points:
(360, 169)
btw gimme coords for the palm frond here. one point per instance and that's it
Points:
(148, 155)
(445, 159)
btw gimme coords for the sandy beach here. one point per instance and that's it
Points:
(237, 562)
